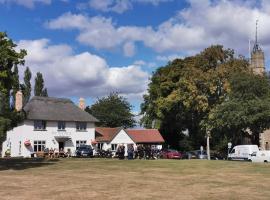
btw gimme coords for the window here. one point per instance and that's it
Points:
(61, 126)
(100, 145)
(80, 143)
(39, 125)
(81, 126)
(113, 147)
(39, 145)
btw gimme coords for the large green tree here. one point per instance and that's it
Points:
(181, 94)
(245, 112)
(10, 58)
(112, 111)
(39, 86)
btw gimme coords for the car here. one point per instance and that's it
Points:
(201, 154)
(189, 155)
(171, 154)
(84, 151)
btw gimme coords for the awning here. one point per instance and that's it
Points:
(62, 138)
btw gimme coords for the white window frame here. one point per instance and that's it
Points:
(39, 145)
(81, 126)
(114, 147)
(100, 145)
(40, 125)
(61, 125)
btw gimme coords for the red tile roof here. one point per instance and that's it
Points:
(145, 135)
(137, 135)
(106, 134)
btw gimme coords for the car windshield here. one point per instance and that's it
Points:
(84, 147)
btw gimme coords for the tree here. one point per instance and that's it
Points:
(9, 58)
(16, 85)
(245, 113)
(181, 94)
(112, 111)
(39, 86)
(26, 87)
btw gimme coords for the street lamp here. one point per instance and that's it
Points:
(229, 147)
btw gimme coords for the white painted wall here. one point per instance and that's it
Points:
(26, 131)
(122, 138)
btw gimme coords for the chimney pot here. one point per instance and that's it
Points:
(82, 103)
(18, 101)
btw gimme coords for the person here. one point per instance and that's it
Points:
(130, 151)
(51, 153)
(61, 153)
(121, 152)
(56, 153)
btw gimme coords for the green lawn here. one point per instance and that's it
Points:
(137, 179)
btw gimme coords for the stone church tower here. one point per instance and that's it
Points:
(257, 57)
(257, 66)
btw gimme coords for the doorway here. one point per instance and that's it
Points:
(61, 145)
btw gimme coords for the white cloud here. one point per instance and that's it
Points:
(168, 58)
(201, 24)
(129, 49)
(118, 6)
(26, 3)
(84, 74)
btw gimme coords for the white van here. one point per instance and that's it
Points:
(242, 152)
(260, 156)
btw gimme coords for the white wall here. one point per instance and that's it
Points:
(122, 138)
(26, 132)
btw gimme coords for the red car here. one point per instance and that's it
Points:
(171, 154)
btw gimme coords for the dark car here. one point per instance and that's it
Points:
(171, 154)
(189, 155)
(84, 151)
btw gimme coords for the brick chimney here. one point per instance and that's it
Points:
(82, 103)
(19, 101)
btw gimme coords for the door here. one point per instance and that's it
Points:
(61, 145)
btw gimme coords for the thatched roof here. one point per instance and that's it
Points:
(55, 109)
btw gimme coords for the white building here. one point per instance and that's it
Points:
(50, 123)
(110, 138)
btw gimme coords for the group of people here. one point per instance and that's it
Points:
(140, 152)
(55, 153)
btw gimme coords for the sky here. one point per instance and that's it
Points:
(89, 48)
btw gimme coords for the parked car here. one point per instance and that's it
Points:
(171, 154)
(84, 151)
(189, 155)
(201, 154)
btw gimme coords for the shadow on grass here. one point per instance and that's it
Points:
(24, 163)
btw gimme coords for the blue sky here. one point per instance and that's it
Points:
(90, 48)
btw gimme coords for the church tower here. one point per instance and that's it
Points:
(257, 56)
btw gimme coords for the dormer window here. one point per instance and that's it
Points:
(39, 125)
(81, 126)
(61, 126)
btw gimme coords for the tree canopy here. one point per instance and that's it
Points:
(112, 111)
(182, 93)
(10, 59)
(245, 112)
(39, 89)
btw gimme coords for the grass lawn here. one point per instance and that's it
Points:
(137, 179)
